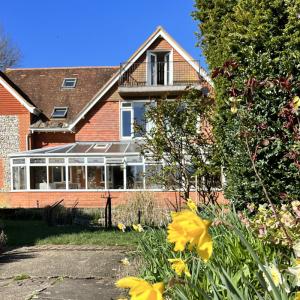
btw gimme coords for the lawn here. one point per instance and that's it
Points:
(20, 233)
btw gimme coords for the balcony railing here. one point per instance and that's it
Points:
(159, 74)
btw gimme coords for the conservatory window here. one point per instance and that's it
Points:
(19, 178)
(76, 177)
(96, 177)
(38, 178)
(57, 177)
(134, 177)
(115, 177)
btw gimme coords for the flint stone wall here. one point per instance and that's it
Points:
(9, 143)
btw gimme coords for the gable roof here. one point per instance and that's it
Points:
(17, 93)
(43, 86)
(159, 32)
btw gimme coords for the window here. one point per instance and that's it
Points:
(134, 177)
(76, 177)
(38, 178)
(96, 177)
(126, 123)
(115, 177)
(69, 83)
(19, 161)
(159, 68)
(133, 113)
(37, 160)
(19, 178)
(59, 112)
(57, 177)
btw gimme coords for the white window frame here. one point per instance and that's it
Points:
(145, 161)
(131, 109)
(58, 107)
(69, 87)
(148, 61)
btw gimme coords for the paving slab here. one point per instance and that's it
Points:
(58, 272)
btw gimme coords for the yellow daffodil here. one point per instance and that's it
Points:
(275, 275)
(125, 261)
(296, 103)
(141, 289)
(179, 266)
(191, 205)
(122, 227)
(234, 109)
(297, 296)
(188, 227)
(138, 227)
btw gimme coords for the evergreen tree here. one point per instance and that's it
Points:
(253, 50)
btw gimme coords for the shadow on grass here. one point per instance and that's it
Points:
(36, 232)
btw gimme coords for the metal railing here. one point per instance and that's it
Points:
(168, 73)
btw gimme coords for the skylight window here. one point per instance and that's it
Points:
(69, 83)
(100, 146)
(59, 112)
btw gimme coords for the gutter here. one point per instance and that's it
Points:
(59, 129)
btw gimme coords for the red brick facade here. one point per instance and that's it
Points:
(101, 123)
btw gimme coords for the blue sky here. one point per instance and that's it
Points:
(93, 32)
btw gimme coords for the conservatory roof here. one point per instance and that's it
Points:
(85, 149)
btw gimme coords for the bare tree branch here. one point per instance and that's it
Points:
(9, 53)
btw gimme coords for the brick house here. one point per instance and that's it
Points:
(67, 133)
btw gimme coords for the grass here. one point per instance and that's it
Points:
(27, 233)
(21, 277)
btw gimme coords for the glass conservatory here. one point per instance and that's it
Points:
(83, 166)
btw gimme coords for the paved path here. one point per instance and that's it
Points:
(61, 273)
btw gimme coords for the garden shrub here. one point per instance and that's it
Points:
(254, 48)
(263, 222)
(141, 207)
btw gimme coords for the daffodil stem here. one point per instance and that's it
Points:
(267, 194)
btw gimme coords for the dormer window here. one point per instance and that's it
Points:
(69, 83)
(59, 112)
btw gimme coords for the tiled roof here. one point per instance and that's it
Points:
(43, 87)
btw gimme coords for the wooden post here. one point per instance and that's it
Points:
(139, 216)
(108, 219)
(109, 211)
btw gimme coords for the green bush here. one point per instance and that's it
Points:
(254, 47)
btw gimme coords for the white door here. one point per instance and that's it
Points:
(152, 69)
(167, 70)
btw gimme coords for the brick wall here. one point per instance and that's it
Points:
(101, 123)
(84, 199)
(49, 139)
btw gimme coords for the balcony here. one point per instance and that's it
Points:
(157, 78)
